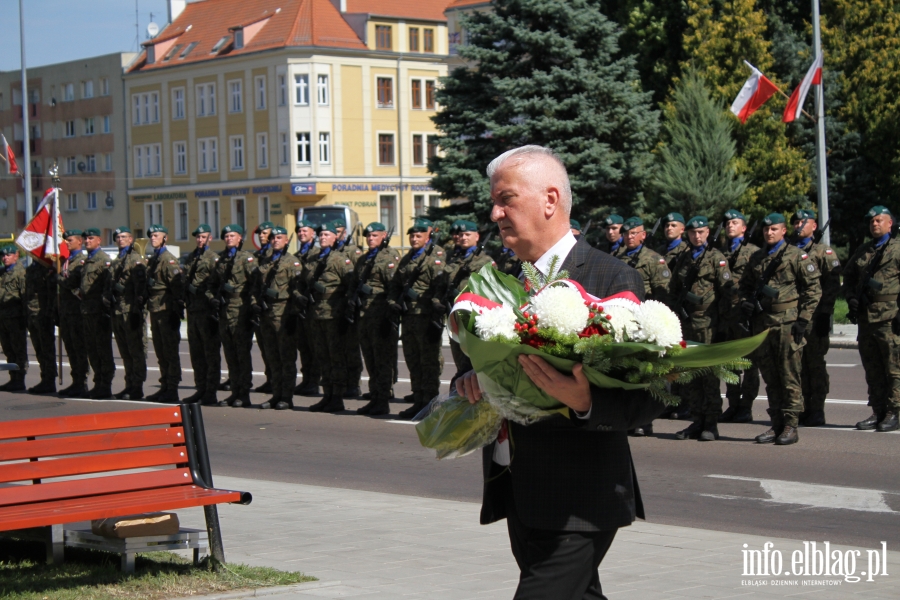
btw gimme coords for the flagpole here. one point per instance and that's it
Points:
(54, 223)
(26, 145)
(822, 169)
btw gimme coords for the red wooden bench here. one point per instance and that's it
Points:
(60, 470)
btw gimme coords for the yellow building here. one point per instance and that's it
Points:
(242, 111)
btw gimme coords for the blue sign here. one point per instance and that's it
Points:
(303, 189)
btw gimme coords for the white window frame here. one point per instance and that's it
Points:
(147, 160)
(282, 90)
(235, 96)
(90, 162)
(324, 148)
(265, 209)
(138, 169)
(207, 155)
(390, 222)
(88, 126)
(107, 162)
(178, 104)
(242, 221)
(394, 99)
(179, 158)
(107, 127)
(259, 85)
(104, 86)
(87, 88)
(209, 214)
(301, 89)
(70, 128)
(236, 150)
(412, 150)
(322, 96)
(394, 157)
(71, 165)
(153, 214)
(181, 226)
(136, 109)
(285, 149)
(206, 99)
(90, 202)
(72, 202)
(262, 150)
(68, 92)
(303, 148)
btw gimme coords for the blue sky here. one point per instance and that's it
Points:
(63, 30)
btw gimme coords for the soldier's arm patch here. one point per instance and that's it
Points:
(726, 275)
(828, 251)
(390, 265)
(108, 263)
(171, 262)
(665, 272)
(804, 257)
(437, 262)
(811, 267)
(722, 263)
(347, 261)
(836, 263)
(249, 259)
(662, 261)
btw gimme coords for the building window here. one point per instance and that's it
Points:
(428, 40)
(432, 147)
(303, 148)
(107, 163)
(322, 89)
(187, 50)
(136, 110)
(219, 44)
(91, 198)
(68, 92)
(180, 155)
(104, 87)
(106, 124)
(282, 90)
(383, 37)
(70, 129)
(147, 160)
(387, 209)
(430, 102)
(87, 89)
(206, 100)
(145, 108)
(262, 150)
(413, 39)
(385, 149)
(209, 214)
(416, 91)
(153, 214)
(72, 203)
(71, 165)
(181, 220)
(207, 155)
(90, 162)
(260, 92)
(385, 87)
(264, 212)
(301, 89)
(154, 107)
(237, 152)
(324, 148)
(418, 149)
(419, 205)
(237, 97)
(285, 149)
(89, 126)
(178, 103)
(239, 212)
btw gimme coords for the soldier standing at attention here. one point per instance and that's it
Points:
(165, 287)
(508, 262)
(350, 334)
(871, 286)
(127, 295)
(328, 286)
(95, 308)
(738, 251)
(614, 243)
(417, 283)
(203, 333)
(40, 303)
(264, 230)
(279, 278)
(13, 331)
(372, 278)
(814, 374)
(673, 229)
(71, 323)
(779, 292)
(309, 366)
(229, 295)
(699, 281)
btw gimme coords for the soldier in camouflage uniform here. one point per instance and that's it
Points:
(871, 287)
(418, 282)
(264, 230)
(328, 286)
(229, 295)
(614, 243)
(279, 278)
(165, 290)
(126, 294)
(13, 331)
(508, 262)
(309, 365)
(71, 323)
(40, 304)
(701, 278)
(814, 374)
(779, 291)
(350, 335)
(95, 308)
(673, 230)
(372, 278)
(203, 333)
(738, 250)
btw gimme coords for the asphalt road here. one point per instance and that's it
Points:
(837, 484)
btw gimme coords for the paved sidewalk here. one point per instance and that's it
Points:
(385, 546)
(844, 337)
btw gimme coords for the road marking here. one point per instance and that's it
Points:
(828, 401)
(813, 495)
(847, 365)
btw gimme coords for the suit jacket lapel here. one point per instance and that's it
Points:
(576, 259)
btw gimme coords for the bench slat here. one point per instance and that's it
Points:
(114, 505)
(96, 463)
(82, 444)
(76, 488)
(10, 430)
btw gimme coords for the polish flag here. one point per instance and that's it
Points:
(813, 76)
(42, 238)
(8, 157)
(757, 89)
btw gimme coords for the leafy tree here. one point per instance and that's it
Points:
(696, 174)
(545, 72)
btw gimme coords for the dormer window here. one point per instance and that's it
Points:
(219, 44)
(151, 55)
(172, 52)
(238, 39)
(187, 50)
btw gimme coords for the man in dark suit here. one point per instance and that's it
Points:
(564, 485)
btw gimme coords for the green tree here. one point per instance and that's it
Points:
(545, 72)
(696, 174)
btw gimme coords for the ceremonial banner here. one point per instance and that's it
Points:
(795, 105)
(756, 91)
(42, 238)
(6, 154)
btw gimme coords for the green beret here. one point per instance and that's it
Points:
(697, 222)
(464, 226)
(233, 228)
(735, 214)
(672, 217)
(614, 220)
(9, 249)
(632, 222)
(116, 232)
(420, 225)
(279, 231)
(304, 223)
(93, 231)
(157, 229)
(202, 228)
(71, 232)
(802, 214)
(573, 224)
(373, 227)
(265, 225)
(773, 219)
(340, 223)
(878, 210)
(328, 226)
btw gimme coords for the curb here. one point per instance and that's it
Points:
(264, 591)
(844, 344)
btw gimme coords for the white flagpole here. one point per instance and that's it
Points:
(821, 167)
(26, 145)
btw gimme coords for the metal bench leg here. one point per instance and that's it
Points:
(196, 557)
(55, 544)
(128, 562)
(216, 547)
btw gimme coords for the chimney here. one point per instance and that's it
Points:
(176, 7)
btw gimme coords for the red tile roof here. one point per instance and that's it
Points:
(429, 10)
(297, 23)
(463, 3)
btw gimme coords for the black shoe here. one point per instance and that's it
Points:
(787, 437)
(366, 396)
(317, 407)
(101, 393)
(375, 408)
(136, 393)
(227, 401)
(76, 390)
(814, 418)
(334, 405)
(265, 388)
(409, 414)
(352, 392)
(242, 401)
(872, 422)
(210, 399)
(168, 397)
(728, 415)
(118, 396)
(44, 387)
(890, 422)
(286, 404)
(196, 396)
(265, 405)
(768, 437)
(680, 413)
(710, 432)
(692, 432)
(306, 389)
(15, 386)
(6, 385)
(642, 431)
(743, 414)
(409, 398)
(154, 397)
(225, 386)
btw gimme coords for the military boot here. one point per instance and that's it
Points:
(410, 413)
(890, 421)
(120, 395)
(101, 392)
(16, 382)
(743, 414)
(135, 393)
(728, 415)
(210, 399)
(352, 392)
(46, 386)
(265, 388)
(168, 397)
(642, 431)
(335, 404)
(196, 396)
(154, 397)
(270, 403)
(225, 386)
(788, 436)
(76, 390)
(367, 396)
(242, 400)
(6, 385)
(872, 421)
(814, 418)
(227, 401)
(306, 389)
(710, 431)
(286, 403)
(317, 407)
(410, 397)
(692, 432)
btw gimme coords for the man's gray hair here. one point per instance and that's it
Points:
(526, 152)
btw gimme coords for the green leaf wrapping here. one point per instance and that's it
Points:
(490, 283)
(709, 355)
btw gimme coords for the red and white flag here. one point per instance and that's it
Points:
(813, 76)
(756, 91)
(42, 238)
(8, 157)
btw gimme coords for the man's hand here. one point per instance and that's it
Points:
(572, 390)
(467, 387)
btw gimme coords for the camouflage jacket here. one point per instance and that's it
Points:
(278, 278)
(794, 287)
(329, 283)
(878, 297)
(654, 271)
(508, 262)
(712, 282)
(829, 275)
(95, 281)
(372, 279)
(672, 255)
(231, 277)
(458, 270)
(12, 292)
(737, 263)
(198, 269)
(127, 284)
(70, 284)
(306, 258)
(165, 282)
(418, 280)
(606, 246)
(40, 290)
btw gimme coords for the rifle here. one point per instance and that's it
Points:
(817, 236)
(363, 289)
(655, 227)
(686, 295)
(587, 227)
(267, 290)
(867, 282)
(763, 288)
(223, 287)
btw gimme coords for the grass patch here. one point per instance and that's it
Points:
(96, 575)
(840, 312)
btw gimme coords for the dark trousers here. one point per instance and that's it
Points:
(556, 565)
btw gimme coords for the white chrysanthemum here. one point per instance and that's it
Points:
(496, 322)
(622, 323)
(659, 325)
(561, 308)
